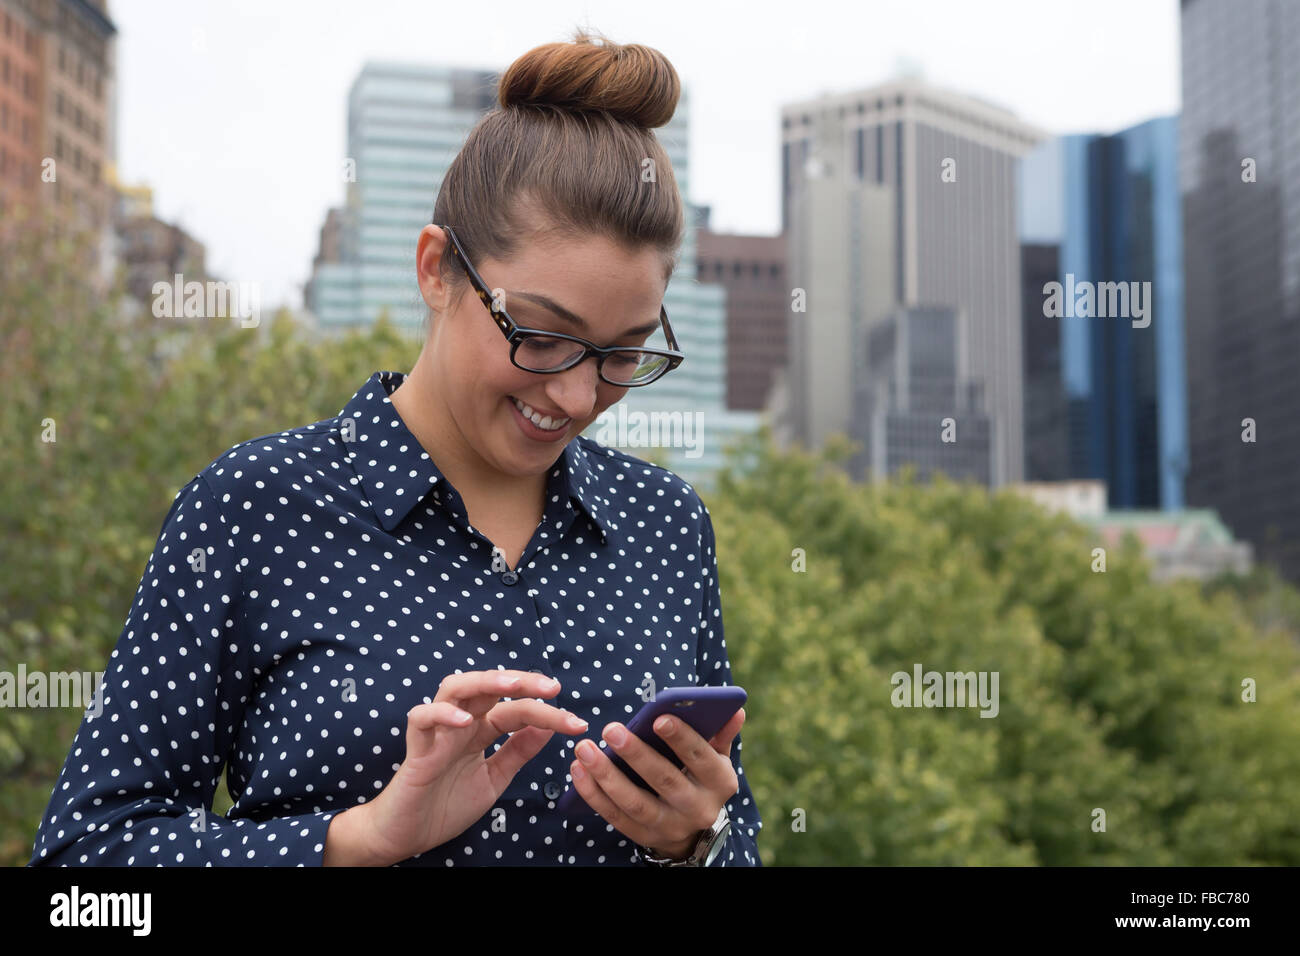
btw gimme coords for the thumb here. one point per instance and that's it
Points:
(523, 746)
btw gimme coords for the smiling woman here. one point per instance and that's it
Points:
(364, 619)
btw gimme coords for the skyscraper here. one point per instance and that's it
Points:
(1240, 175)
(931, 175)
(1110, 391)
(405, 124)
(912, 408)
(58, 76)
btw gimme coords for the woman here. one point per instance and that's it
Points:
(348, 614)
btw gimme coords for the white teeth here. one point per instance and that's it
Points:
(541, 421)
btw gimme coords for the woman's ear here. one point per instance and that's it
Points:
(430, 247)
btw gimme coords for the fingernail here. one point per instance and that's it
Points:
(577, 721)
(664, 725)
(587, 752)
(615, 736)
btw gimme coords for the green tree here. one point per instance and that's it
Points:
(1115, 692)
(138, 406)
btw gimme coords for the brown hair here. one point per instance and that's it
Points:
(564, 154)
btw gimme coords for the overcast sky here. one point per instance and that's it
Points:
(235, 111)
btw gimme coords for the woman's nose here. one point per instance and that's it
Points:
(574, 390)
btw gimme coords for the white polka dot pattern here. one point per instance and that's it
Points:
(309, 588)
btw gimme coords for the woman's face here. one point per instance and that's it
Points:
(615, 292)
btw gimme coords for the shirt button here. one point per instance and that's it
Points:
(509, 577)
(552, 790)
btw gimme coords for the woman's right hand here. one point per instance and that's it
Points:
(445, 783)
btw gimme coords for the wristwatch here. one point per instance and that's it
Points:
(706, 850)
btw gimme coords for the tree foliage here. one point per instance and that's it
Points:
(1116, 693)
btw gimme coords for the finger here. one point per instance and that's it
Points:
(631, 805)
(425, 720)
(591, 790)
(665, 777)
(511, 715)
(522, 747)
(707, 764)
(468, 689)
(723, 739)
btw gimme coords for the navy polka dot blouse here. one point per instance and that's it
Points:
(309, 588)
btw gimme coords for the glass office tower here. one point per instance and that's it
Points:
(1105, 211)
(1240, 172)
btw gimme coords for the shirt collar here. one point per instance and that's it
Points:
(396, 472)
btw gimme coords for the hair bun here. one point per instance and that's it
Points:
(636, 84)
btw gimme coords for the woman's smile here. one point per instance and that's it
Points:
(538, 427)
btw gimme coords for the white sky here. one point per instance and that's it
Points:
(235, 111)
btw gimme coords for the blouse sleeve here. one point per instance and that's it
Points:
(138, 784)
(713, 668)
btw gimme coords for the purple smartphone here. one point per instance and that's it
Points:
(705, 709)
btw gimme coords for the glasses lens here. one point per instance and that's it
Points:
(630, 367)
(541, 353)
(634, 367)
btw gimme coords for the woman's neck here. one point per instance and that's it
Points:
(426, 417)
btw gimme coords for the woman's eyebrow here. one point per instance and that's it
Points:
(552, 306)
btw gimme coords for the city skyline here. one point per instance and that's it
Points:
(214, 178)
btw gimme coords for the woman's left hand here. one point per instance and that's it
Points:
(688, 798)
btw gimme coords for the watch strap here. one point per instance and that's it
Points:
(703, 845)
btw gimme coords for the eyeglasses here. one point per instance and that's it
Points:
(543, 352)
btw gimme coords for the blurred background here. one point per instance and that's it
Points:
(992, 316)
